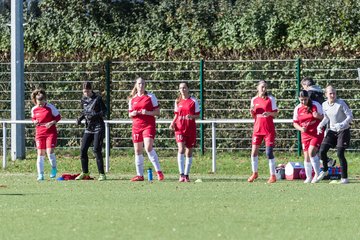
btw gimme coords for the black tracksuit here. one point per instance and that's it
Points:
(94, 111)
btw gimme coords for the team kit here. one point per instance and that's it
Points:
(324, 123)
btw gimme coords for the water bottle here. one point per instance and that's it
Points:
(150, 175)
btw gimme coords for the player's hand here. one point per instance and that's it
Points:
(171, 126)
(339, 126)
(78, 121)
(266, 114)
(133, 113)
(143, 111)
(319, 130)
(303, 129)
(189, 116)
(49, 124)
(36, 122)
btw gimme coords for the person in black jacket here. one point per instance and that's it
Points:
(94, 111)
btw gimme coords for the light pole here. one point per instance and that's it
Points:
(17, 80)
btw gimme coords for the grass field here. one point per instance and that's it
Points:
(223, 206)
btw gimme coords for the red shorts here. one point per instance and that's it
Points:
(269, 140)
(138, 135)
(44, 142)
(188, 139)
(307, 141)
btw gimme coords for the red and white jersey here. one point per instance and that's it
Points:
(186, 107)
(306, 119)
(138, 103)
(263, 125)
(43, 115)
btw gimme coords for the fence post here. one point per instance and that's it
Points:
(4, 145)
(298, 80)
(202, 109)
(108, 80)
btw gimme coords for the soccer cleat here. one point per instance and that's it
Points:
(102, 177)
(187, 179)
(160, 175)
(182, 178)
(83, 176)
(322, 174)
(137, 178)
(254, 176)
(40, 177)
(53, 172)
(272, 179)
(307, 180)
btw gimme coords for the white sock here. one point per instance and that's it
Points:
(254, 163)
(272, 166)
(154, 159)
(188, 165)
(52, 160)
(181, 160)
(308, 169)
(315, 162)
(40, 164)
(139, 164)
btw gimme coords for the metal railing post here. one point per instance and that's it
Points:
(4, 145)
(298, 80)
(107, 147)
(202, 108)
(213, 143)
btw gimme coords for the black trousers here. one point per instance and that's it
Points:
(98, 139)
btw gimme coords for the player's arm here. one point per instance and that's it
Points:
(298, 127)
(155, 112)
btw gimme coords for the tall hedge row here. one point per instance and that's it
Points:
(191, 29)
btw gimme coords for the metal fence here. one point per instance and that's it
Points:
(224, 89)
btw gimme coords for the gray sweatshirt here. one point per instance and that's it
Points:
(338, 114)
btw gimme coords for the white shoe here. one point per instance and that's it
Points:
(307, 180)
(322, 174)
(344, 181)
(315, 179)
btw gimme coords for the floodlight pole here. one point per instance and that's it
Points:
(17, 80)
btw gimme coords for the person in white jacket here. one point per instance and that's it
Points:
(338, 116)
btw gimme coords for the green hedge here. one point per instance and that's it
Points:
(189, 29)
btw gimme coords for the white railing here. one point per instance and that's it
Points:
(213, 123)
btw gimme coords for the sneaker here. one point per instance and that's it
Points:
(187, 179)
(102, 177)
(40, 177)
(182, 178)
(322, 174)
(315, 179)
(160, 175)
(83, 176)
(53, 172)
(254, 176)
(272, 179)
(137, 178)
(344, 181)
(307, 180)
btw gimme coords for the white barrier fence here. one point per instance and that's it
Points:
(213, 123)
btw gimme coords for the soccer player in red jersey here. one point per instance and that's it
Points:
(307, 116)
(143, 107)
(45, 116)
(186, 111)
(263, 109)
